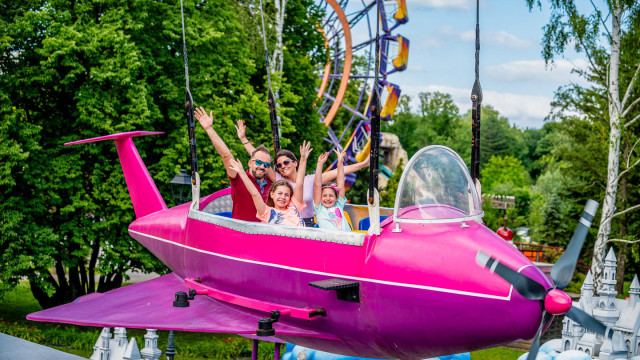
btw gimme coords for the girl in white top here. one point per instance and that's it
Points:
(328, 199)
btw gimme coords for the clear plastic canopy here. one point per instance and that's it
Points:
(436, 187)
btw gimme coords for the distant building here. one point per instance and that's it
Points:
(622, 316)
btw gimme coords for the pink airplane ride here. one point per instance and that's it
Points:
(411, 287)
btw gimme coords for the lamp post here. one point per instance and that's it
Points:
(180, 187)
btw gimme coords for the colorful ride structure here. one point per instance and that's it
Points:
(345, 22)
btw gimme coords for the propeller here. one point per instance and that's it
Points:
(554, 301)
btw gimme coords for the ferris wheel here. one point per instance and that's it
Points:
(349, 30)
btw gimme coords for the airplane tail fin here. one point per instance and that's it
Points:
(144, 194)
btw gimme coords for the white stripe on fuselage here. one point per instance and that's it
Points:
(414, 286)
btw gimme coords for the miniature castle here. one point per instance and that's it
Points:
(119, 348)
(620, 316)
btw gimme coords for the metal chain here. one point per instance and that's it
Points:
(184, 49)
(476, 99)
(478, 40)
(266, 51)
(271, 98)
(191, 125)
(375, 115)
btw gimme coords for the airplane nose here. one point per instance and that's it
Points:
(557, 302)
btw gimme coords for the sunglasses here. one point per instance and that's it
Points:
(262, 163)
(284, 163)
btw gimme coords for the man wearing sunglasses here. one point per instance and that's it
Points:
(243, 206)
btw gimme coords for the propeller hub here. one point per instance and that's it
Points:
(557, 302)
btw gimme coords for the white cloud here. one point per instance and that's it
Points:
(536, 71)
(426, 42)
(501, 37)
(522, 110)
(440, 4)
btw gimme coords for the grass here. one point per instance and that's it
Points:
(79, 340)
(498, 353)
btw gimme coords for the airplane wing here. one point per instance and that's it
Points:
(149, 305)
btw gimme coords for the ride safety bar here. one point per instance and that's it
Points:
(255, 304)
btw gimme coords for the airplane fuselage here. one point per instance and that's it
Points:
(421, 293)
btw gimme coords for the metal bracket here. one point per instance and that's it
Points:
(346, 290)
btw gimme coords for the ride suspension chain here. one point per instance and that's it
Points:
(271, 98)
(375, 116)
(191, 125)
(476, 100)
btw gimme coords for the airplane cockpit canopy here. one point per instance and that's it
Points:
(436, 187)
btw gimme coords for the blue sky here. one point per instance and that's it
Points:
(513, 74)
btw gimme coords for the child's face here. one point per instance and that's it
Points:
(329, 197)
(281, 197)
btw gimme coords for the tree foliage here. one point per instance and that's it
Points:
(504, 174)
(71, 70)
(607, 34)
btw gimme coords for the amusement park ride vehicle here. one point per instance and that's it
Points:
(409, 288)
(411, 291)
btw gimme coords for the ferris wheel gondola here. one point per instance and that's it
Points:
(349, 29)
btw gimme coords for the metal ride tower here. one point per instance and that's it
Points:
(349, 29)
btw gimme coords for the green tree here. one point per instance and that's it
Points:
(555, 229)
(436, 123)
(73, 70)
(403, 124)
(504, 174)
(388, 195)
(608, 35)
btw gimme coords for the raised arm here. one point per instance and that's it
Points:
(333, 174)
(317, 183)
(207, 124)
(236, 166)
(241, 130)
(305, 150)
(340, 182)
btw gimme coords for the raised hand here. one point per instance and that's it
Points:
(241, 130)
(206, 121)
(305, 150)
(341, 154)
(236, 166)
(323, 158)
(368, 159)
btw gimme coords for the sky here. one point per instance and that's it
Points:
(513, 75)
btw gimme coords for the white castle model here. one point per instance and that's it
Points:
(620, 316)
(119, 348)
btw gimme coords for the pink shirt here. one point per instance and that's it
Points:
(290, 216)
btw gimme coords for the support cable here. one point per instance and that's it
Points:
(375, 117)
(191, 125)
(476, 99)
(271, 98)
(375, 107)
